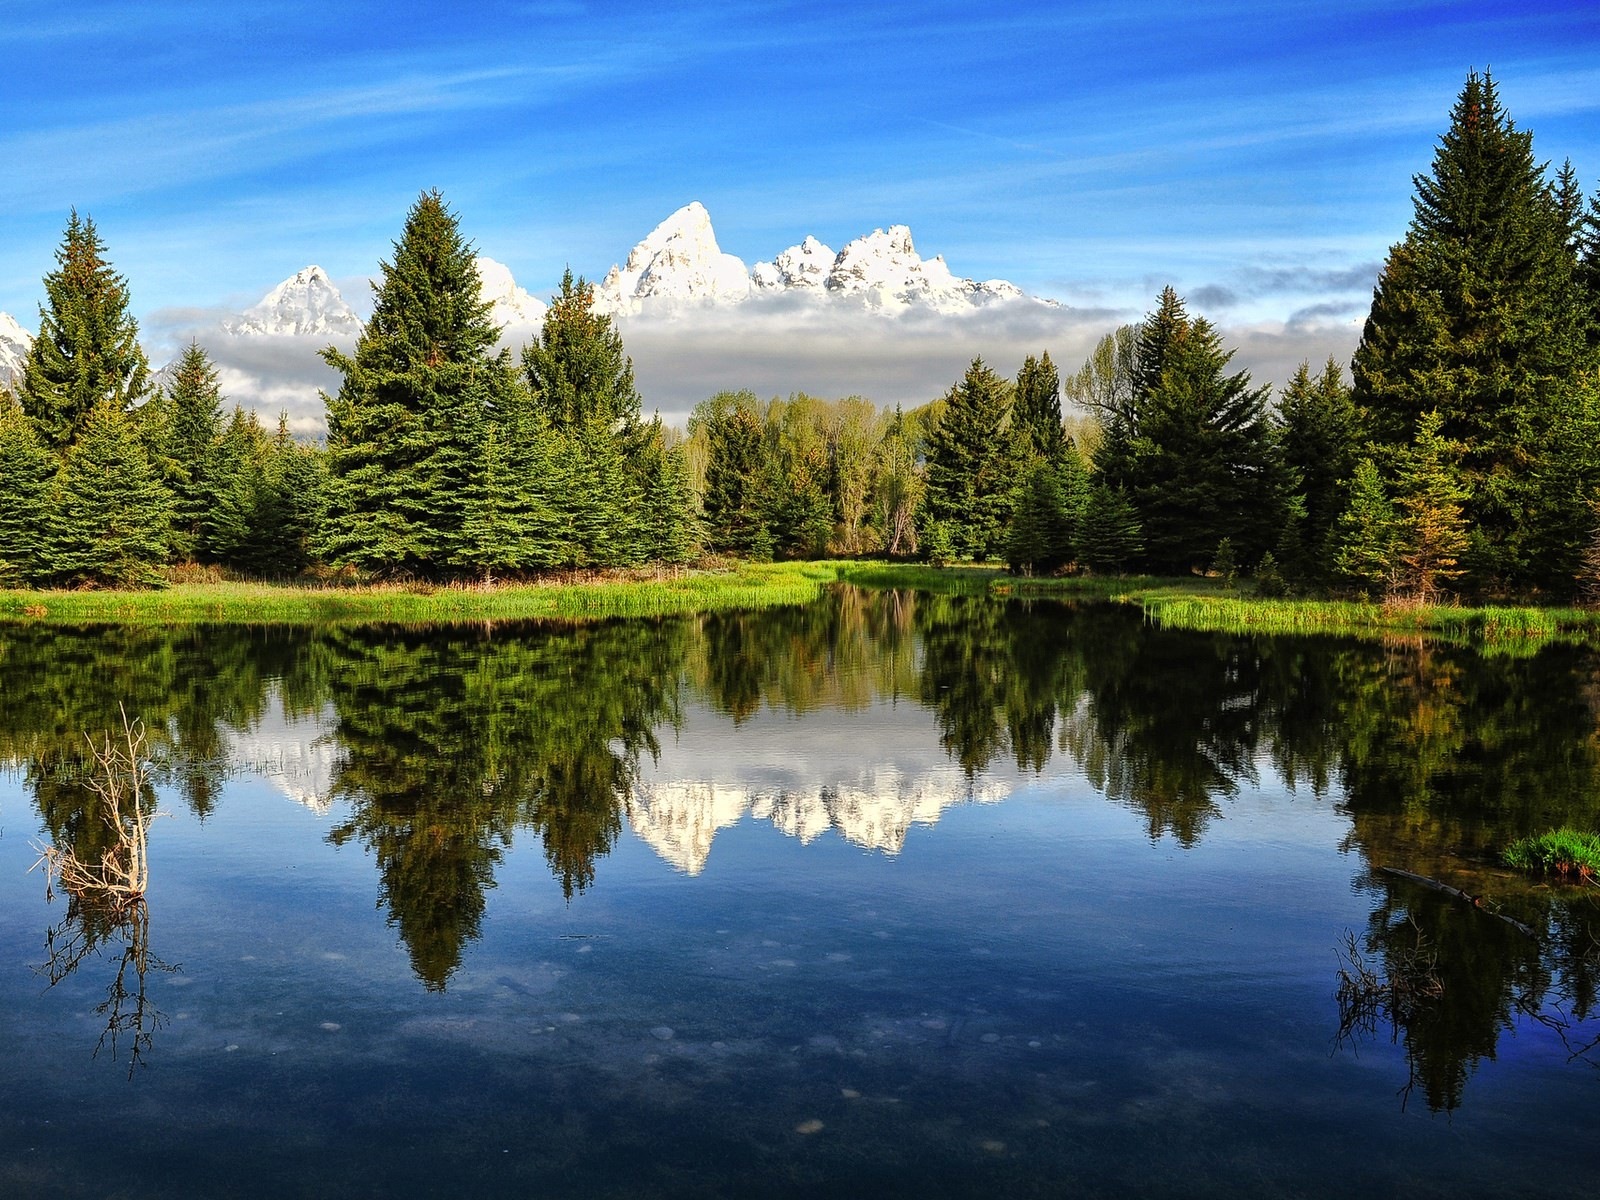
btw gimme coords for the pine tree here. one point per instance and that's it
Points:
(731, 502)
(666, 525)
(1367, 534)
(1040, 538)
(1317, 435)
(405, 432)
(1432, 532)
(1478, 316)
(193, 429)
(972, 465)
(87, 352)
(26, 471)
(1195, 452)
(1036, 410)
(1112, 537)
(576, 371)
(111, 514)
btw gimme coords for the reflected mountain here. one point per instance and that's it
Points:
(865, 715)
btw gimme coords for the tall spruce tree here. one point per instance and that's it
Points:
(1478, 315)
(972, 473)
(87, 352)
(110, 514)
(405, 431)
(1195, 453)
(193, 432)
(1318, 436)
(732, 500)
(1036, 409)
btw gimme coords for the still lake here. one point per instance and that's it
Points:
(890, 895)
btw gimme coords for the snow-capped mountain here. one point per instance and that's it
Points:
(679, 818)
(512, 306)
(305, 303)
(15, 342)
(679, 265)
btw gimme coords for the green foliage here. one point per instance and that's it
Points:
(1433, 531)
(1036, 410)
(405, 432)
(1270, 582)
(110, 515)
(26, 472)
(1562, 851)
(1112, 536)
(898, 485)
(1479, 315)
(1041, 536)
(1194, 450)
(1317, 436)
(1368, 532)
(576, 371)
(87, 352)
(192, 437)
(1225, 563)
(732, 499)
(972, 465)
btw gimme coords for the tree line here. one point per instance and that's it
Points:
(1464, 450)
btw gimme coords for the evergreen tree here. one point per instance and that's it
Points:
(1478, 315)
(405, 432)
(1195, 451)
(731, 501)
(1040, 538)
(193, 430)
(26, 471)
(1433, 533)
(666, 524)
(1036, 410)
(576, 371)
(1112, 537)
(287, 520)
(87, 352)
(1317, 435)
(111, 514)
(972, 465)
(1367, 533)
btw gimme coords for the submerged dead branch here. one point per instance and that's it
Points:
(121, 875)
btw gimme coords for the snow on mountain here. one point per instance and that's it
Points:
(15, 342)
(802, 268)
(681, 266)
(678, 818)
(679, 263)
(512, 306)
(307, 303)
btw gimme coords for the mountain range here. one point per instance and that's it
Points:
(677, 270)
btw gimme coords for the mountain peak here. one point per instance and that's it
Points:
(510, 305)
(15, 343)
(678, 262)
(305, 303)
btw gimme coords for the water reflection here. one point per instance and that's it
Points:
(443, 746)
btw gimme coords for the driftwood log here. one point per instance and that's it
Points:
(1476, 902)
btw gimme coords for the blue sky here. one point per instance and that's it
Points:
(1257, 155)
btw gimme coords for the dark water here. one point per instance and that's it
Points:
(893, 895)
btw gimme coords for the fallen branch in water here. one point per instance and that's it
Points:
(1476, 902)
(122, 874)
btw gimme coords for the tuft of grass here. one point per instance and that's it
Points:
(1565, 852)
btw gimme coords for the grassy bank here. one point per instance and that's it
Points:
(1192, 603)
(748, 585)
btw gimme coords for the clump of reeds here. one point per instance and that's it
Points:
(1569, 853)
(120, 876)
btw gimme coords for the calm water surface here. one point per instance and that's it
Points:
(890, 896)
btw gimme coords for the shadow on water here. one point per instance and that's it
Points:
(453, 742)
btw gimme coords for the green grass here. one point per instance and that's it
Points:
(748, 585)
(1564, 852)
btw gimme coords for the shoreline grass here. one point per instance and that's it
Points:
(1201, 605)
(746, 585)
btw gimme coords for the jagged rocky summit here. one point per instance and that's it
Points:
(679, 265)
(305, 303)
